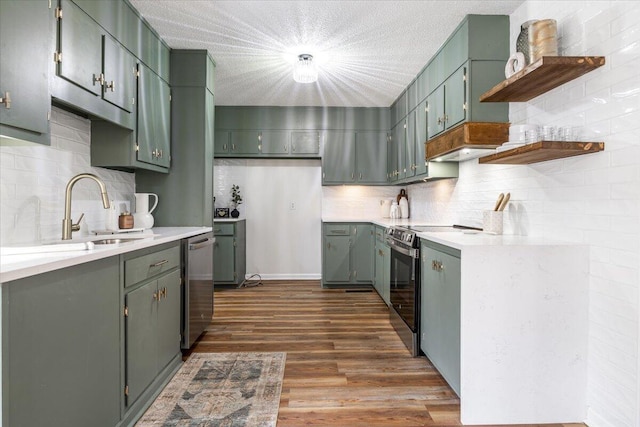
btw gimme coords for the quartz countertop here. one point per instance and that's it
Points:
(228, 219)
(14, 267)
(455, 239)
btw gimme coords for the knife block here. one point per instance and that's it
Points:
(492, 222)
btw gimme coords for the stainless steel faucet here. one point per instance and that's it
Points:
(68, 226)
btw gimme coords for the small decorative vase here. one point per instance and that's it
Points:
(235, 213)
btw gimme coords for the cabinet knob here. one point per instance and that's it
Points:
(6, 100)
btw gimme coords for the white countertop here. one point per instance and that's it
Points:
(228, 219)
(14, 267)
(456, 239)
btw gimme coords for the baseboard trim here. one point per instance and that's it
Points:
(287, 277)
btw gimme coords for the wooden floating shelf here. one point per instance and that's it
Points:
(543, 75)
(542, 151)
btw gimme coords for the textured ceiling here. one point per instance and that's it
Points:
(367, 51)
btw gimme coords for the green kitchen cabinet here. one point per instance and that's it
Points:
(230, 253)
(440, 309)
(61, 347)
(382, 255)
(25, 31)
(152, 319)
(354, 157)
(305, 142)
(397, 164)
(339, 158)
(154, 119)
(448, 103)
(371, 159)
(244, 142)
(410, 144)
(96, 65)
(149, 146)
(336, 249)
(347, 257)
(274, 142)
(420, 127)
(221, 142)
(192, 136)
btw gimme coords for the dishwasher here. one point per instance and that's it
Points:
(197, 292)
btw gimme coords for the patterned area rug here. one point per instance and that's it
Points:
(222, 390)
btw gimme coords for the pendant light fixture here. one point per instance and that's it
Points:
(304, 70)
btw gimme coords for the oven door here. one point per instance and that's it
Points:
(404, 286)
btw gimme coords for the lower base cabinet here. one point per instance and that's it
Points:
(61, 347)
(229, 254)
(152, 331)
(440, 308)
(382, 255)
(347, 258)
(92, 344)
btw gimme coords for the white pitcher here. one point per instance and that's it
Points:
(143, 218)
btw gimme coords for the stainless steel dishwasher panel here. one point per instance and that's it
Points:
(197, 295)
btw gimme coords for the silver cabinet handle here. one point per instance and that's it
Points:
(98, 79)
(202, 244)
(111, 86)
(159, 263)
(6, 100)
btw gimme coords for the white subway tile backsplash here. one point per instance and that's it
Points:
(34, 178)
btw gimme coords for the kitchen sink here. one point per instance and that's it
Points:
(116, 241)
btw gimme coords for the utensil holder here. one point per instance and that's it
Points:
(492, 222)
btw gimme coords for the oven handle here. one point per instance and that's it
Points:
(413, 253)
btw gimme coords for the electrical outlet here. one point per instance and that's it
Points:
(292, 206)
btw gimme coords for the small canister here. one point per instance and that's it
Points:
(125, 220)
(543, 39)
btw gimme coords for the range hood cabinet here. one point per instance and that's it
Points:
(467, 141)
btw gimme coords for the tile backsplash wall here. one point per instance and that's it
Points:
(33, 179)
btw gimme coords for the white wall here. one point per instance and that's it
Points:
(282, 243)
(33, 179)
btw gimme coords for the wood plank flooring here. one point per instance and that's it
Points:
(345, 364)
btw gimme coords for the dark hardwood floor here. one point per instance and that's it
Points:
(345, 364)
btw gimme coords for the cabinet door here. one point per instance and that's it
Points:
(421, 138)
(274, 142)
(168, 318)
(24, 65)
(410, 151)
(120, 69)
(61, 349)
(335, 261)
(361, 255)
(244, 142)
(456, 98)
(386, 274)
(305, 142)
(392, 155)
(371, 157)
(440, 317)
(221, 142)
(80, 43)
(141, 339)
(154, 117)
(338, 160)
(378, 278)
(435, 118)
(224, 259)
(401, 137)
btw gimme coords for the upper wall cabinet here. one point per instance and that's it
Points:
(25, 28)
(288, 132)
(470, 62)
(149, 147)
(96, 72)
(354, 157)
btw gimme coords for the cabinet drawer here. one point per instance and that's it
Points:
(336, 229)
(138, 269)
(220, 229)
(380, 234)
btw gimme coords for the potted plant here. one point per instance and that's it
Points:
(236, 199)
